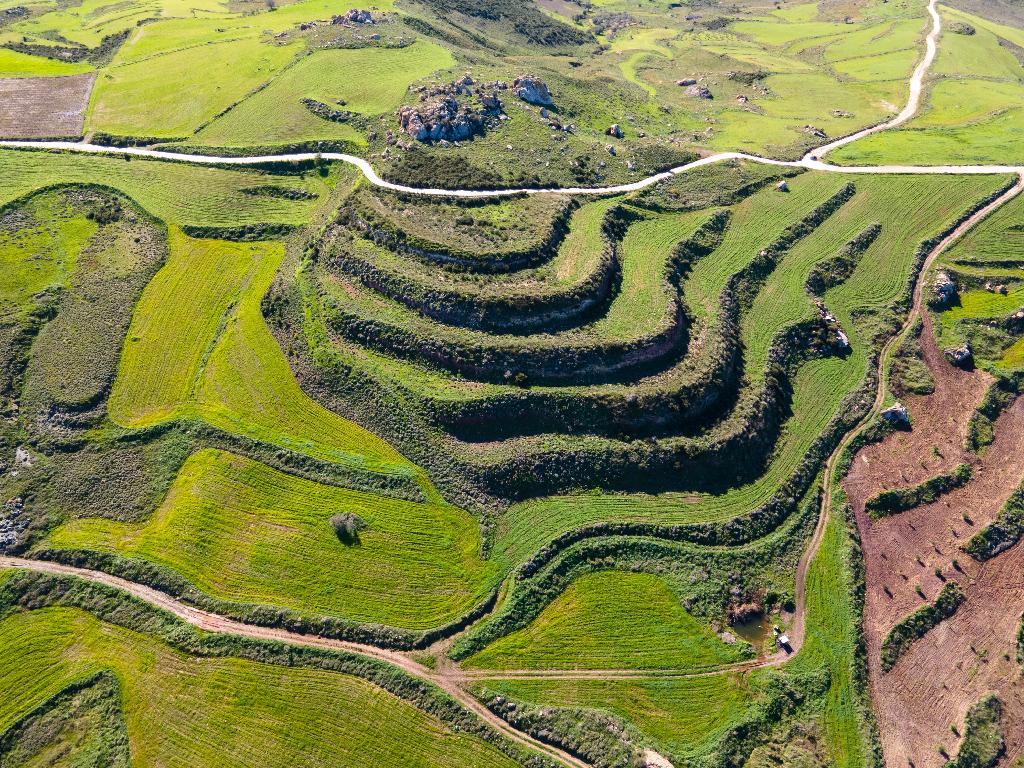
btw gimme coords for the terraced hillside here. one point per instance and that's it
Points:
(523, 383)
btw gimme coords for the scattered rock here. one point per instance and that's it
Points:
(686, 81)
(532, 90)
(22, 458)
(898, 414)
(961, 357)
(841, 113)
(699, 92)
(614, 130)
(741, 99)
(944, 289)
(353, 16)
(815, 131)
(610, 148)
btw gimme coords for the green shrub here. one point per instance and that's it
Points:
(919, 623)
(902, 499)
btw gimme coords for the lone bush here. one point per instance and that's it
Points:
(347, 526)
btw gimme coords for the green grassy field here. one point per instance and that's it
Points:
(244, 532)
(199, 325)
(612, 620)
(682, 718)
(370, 81)
(971, 109)
(185, 711)
(173, 192)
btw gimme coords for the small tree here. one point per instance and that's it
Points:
(347, 526)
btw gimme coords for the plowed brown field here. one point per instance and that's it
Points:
(973, 653)
(44, 107)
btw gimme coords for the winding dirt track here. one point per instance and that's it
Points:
(211, 622)
(449, 677)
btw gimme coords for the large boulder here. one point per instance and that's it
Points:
(698, 92)
(532, 90)
(440, 119)
(943, 290)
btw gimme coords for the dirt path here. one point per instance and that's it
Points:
(211, 622)
(811, 160)
(913, 99)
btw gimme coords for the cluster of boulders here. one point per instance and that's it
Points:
(999, 288)
(962, 356)
(442, 117)
(815, 131)
(12, 522)
(353, 16)
(897, 414)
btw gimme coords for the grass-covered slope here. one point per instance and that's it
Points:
(181, 710)
(243, 532)
(612, 620)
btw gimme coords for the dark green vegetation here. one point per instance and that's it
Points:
(983, 742)
(1002, 533)
(902, 499)
(919, 623)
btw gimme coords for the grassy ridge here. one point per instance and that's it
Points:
(611, 620)
(244, 532)
(177, 708)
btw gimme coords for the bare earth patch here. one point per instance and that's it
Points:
(44, 107)
(973, 653)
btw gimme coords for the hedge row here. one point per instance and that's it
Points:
(836, 270)
(901, 499)
(383, 232)
(1002, 533)
(32, 590)
(981, 427)
(598, 738)
(920, 623)
(519, 308)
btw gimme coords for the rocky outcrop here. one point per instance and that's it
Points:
(897, 414)
(440, 118)
(532, 90)
(353, 16)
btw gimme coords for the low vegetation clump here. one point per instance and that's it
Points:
(919, 623)
(983, 743)
(899, 500)
(347, 526)
(1002, 533)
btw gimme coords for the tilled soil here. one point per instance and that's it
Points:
(44, 107)
(941, 675)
